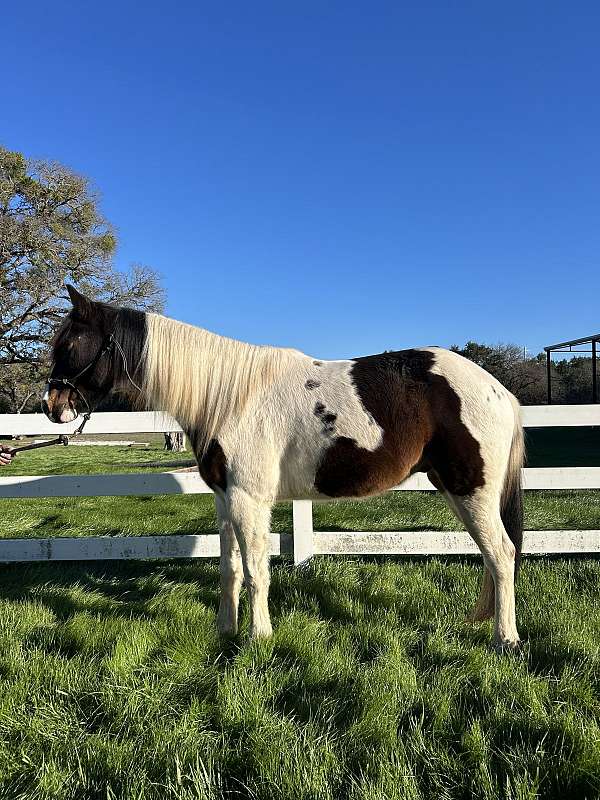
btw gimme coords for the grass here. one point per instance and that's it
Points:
(91, 460)
(115, 686)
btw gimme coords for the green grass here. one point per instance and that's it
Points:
(143, 516)
(115, 685)
(90, 460)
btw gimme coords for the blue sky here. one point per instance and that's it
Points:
(339, 177)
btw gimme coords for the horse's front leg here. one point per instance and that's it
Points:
(231, 572)
(250, 518)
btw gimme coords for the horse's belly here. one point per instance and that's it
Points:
(350, 471)
(343, 469)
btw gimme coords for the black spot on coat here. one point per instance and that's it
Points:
(327, 418)
(213, 466)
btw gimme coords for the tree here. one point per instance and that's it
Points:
(51, 231)
(573, 380)
(524, 377)
(20, 387)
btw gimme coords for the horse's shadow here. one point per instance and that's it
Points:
(127, 589)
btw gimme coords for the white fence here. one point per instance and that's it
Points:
(303, 541)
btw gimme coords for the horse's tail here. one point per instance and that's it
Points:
(511, 500)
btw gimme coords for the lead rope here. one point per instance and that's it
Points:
(64, 440)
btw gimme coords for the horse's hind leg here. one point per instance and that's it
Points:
(231, 572)
(486, 603)
(485, 607)
(480, 513)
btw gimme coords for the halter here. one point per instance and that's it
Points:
(109, 344)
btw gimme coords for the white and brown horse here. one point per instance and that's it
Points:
(268, 424)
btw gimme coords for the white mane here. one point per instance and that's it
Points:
(202, 379)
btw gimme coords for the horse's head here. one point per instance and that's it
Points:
(82, 359)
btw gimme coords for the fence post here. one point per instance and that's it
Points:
(303, 530)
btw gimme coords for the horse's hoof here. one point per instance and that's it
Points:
(507, 645)
(261, 631)
(227, 626)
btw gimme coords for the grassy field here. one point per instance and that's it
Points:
(128, 516)
(91, 460)
(114, 683)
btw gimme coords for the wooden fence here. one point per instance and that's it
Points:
(303, 541)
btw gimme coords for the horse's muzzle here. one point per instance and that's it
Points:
(59, 404)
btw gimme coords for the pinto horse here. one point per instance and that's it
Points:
(269, 423)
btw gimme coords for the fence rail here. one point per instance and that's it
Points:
(304, 541)
(157, 422)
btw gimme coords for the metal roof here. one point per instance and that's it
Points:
(594, 338)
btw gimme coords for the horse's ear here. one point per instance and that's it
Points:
(81, 304)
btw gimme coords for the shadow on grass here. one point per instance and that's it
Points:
(126, 590)
(127, 586)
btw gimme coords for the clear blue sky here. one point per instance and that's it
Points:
(339, 177)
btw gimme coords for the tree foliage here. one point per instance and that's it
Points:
(526, 377)
(51, 231)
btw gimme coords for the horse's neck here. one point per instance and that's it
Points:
(202, 379)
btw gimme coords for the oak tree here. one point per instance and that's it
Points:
(52, 232)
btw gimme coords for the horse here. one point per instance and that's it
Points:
(268, 424)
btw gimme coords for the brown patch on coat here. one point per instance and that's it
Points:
(213, 466)
(310, 384)
(420, 415)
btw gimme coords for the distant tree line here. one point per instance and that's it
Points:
(526, 377)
